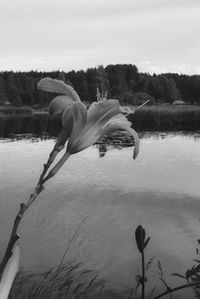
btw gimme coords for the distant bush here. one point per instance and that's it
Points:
(170, 118)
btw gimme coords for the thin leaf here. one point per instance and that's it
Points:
(149, 263)
(198, 261)
(146, 242)
(178, 275)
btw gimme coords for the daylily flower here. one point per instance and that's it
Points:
(9, 273)
(82, 127)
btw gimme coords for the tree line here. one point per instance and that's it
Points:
(121, 81)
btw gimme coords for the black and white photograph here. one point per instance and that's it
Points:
(99, 149)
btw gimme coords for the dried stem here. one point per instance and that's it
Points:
(69, 245)
(142, 105)
(72, 239)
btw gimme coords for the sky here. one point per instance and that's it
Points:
(156, 35)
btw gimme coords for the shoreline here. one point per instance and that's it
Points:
(147, 118)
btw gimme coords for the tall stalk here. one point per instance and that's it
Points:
(14, 236)
(143, 275)
(141, 244)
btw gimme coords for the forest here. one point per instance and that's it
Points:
(121, 81)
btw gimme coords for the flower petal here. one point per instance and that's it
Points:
(58, 86)
(121, 123)
(99, 114)
(126, 110)
(67, 121)
(79, 112)
(102, 111)
(9, 273)
(85, 140)
(59, 104)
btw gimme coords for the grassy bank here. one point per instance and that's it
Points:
(167, 118)
(11, 110)
(147, 118)
(66, 281)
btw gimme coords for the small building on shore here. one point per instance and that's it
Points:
(178, 102)
(4, 101)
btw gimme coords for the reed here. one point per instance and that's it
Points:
(10, 110)
(166, 118)
(71, 281)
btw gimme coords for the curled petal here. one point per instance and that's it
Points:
(68, 113)
(9, 273)
(59, 104)
(67, 121)
(126, 110)
(79, 120)
(121, 123)
(58, 86)
(101, 112)
(85, 140)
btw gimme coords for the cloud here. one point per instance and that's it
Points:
(78, 10)
(77, 61)
(181, 68)
(55, 33)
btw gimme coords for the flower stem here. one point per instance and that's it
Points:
(55, 169)
(143, 275)
(52, 157)
(13, 238)
(23, 207)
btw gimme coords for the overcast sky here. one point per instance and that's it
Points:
(156, 35)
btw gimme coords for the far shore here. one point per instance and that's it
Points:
(10, 109)
(166, 117)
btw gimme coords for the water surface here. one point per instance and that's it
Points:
(160, 190)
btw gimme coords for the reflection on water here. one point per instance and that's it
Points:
(160, 190)
(102, 149)
(38, 124)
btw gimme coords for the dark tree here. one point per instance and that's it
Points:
(121, 81)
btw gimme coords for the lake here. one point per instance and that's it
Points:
(160, 191)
